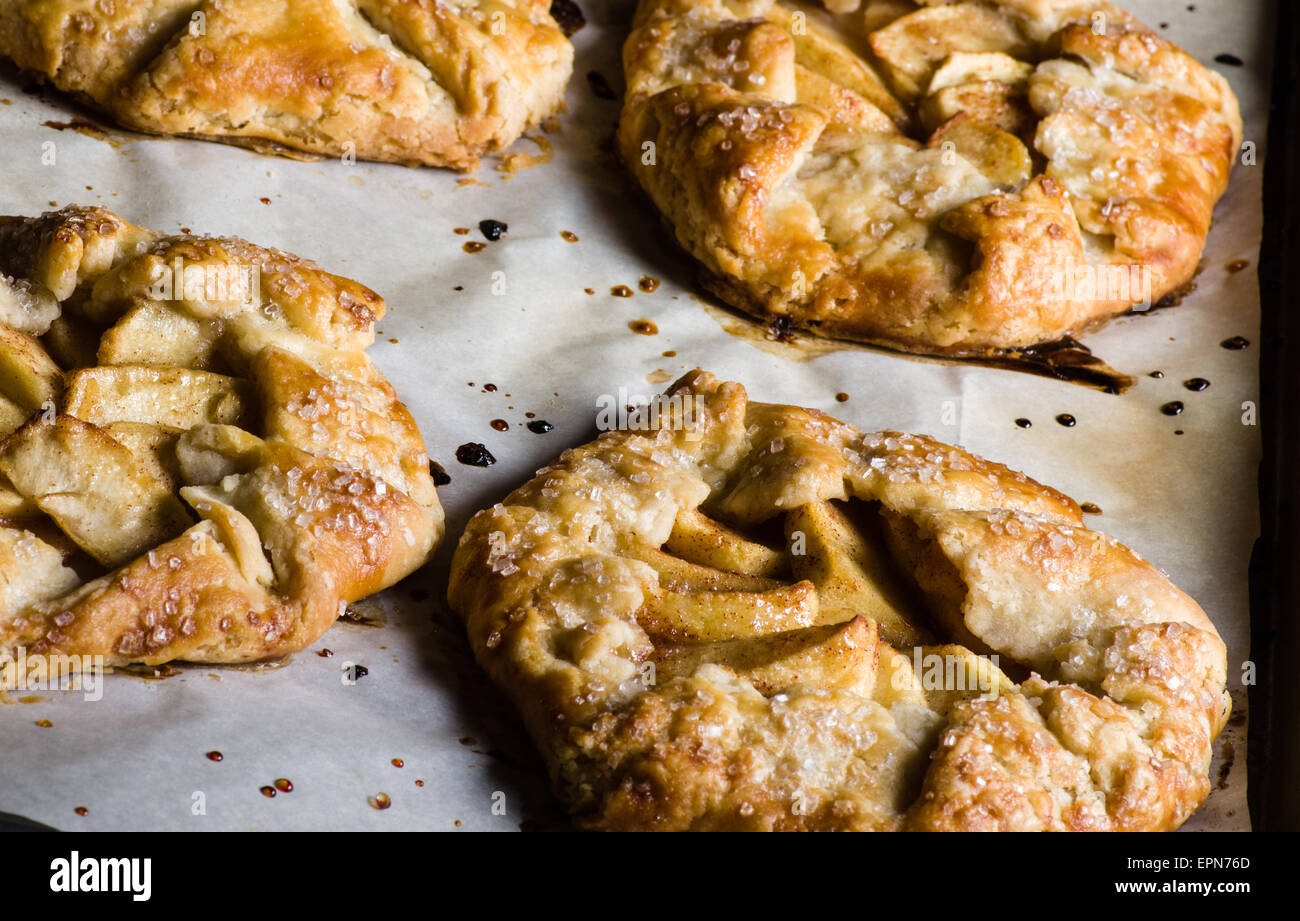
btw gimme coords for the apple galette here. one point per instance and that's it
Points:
(198, 462)
(938, 177)
(405, 81)
(739, 615)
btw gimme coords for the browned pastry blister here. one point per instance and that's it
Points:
(406, 81)
(945, 178)
(741, 615)
(197, 460)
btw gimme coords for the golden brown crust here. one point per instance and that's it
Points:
(979, 176)
(697, 687)
(405, 81)
(201, 343)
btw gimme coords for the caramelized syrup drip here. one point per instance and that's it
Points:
(600, 86)
(362, 618)
(475, 454)
(150, 672)
(1063, 360)
(568, 16)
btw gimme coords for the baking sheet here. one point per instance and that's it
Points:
(515, 315)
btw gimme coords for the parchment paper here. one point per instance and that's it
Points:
(135, 759)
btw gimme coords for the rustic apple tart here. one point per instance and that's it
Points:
(199, 462)
(405, 81)
(738, 615)
(937, 177)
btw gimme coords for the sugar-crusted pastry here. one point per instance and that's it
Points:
(937, 177)
(197, 460)
(739, 615)
(406, 81)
